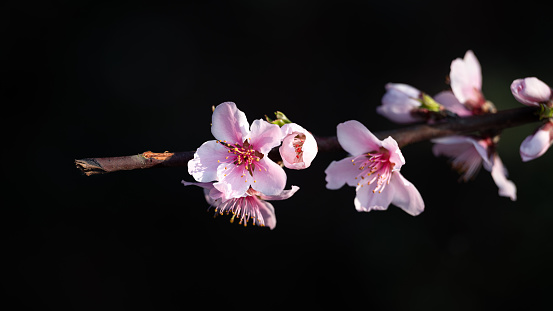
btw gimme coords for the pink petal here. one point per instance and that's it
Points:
(453, 146)
(288, 153)
(405, 89)
(396, 156)
(268, 177)
(366, 201)
(285, 194)
(204, 165)
(535, 145)
(466, 78)
(530, 91)
(229, 123)
(233, 180)
(264, 136)
(499, 174)
(451, 103)
(356, 139)
(341, 172)
(310, 149)
(406, 196)
(267, 212)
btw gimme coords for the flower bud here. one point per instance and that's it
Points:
(299, 147)
(530, 91)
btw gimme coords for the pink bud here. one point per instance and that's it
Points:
(299, 146)
(530, 91)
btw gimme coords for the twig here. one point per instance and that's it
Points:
(404, 136)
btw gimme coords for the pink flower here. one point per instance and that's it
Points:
(466, 82)
(238, 160)
(469, 154)
(299, 147)
(399, 102)
(530, 91)
(373, 169)
(250, 206)
(535, 145)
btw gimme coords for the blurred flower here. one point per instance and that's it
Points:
(403, 103)
(469, 154)
(535, 145)
(299, 147)
(530, 91)
(399, 102)
(252, 205)
(238, 160)
(373, 168)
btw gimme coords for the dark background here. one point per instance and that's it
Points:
(88, 79)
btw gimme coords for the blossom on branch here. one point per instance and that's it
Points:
(403, 103)
(468, 154)
(374, 170)
(238, 159)
(252, 205)
(299, 147)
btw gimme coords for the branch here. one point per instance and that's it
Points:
(404, 136)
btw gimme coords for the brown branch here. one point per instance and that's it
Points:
(148, 159)
(404, 136)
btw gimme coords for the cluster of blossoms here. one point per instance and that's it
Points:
(235, 170)
(238, 176)
(468, 153)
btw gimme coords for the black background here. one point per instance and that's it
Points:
(89, 79)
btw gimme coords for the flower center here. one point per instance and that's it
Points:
(298, 142)
(376, 168)
(243, 154)
(244, 209)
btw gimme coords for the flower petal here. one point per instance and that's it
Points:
(310, 149)
(267, 212)
(268, 177)
(451, 103)
(535, 145)
(396, 156)
(229, 123)
(366, 200)
(466, 78)
(499, 174)
(203, 167)
(406, 196)
(264, 136)
(340, 172)
(233, 180)
(356, 139)
(285, 194)
(453, 146)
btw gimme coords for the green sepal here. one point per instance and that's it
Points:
(429, 103)
(545, 112)
(280, 120)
